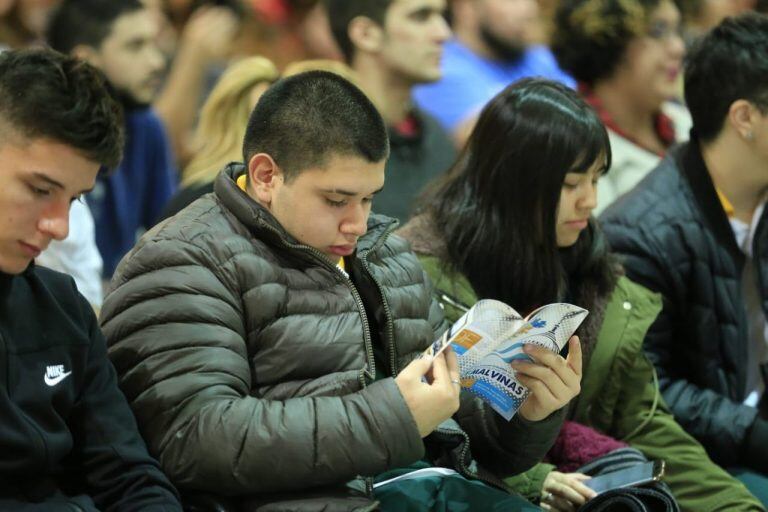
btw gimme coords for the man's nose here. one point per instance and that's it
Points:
(357, 221)
(55, 222)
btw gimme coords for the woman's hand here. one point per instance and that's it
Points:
(552, 380)
(565, 492)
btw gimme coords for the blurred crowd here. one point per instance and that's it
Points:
(617, 107)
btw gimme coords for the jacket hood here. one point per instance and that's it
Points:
(422, 234)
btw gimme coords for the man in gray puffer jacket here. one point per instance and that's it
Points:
(265, 336)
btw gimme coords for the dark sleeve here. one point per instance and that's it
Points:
(162, 179)
(119, 473)
(506, 447)
(718, 422)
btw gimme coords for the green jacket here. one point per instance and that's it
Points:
(620, 397)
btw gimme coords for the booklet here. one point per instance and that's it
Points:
(491, 334)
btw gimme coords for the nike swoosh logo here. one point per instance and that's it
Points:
(52, 382)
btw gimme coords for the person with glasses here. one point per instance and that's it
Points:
(626, 56)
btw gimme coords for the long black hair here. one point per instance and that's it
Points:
(496, 209)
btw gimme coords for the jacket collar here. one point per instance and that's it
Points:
(260, 222)
(689, 160)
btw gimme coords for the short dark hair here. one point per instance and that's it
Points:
(727, 64)
(591, 36)
(87, 22)
(303, 119)
(44, 94)
(342, 12)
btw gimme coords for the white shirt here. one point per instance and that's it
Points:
(77, 255)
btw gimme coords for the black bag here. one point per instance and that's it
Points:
(652, 497)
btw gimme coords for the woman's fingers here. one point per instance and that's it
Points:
(546, 376)
(559, 375)
(575, 357)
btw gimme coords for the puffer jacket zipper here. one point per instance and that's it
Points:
(369, 372)
(390, 327)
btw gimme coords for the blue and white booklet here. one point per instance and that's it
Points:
(491, 334)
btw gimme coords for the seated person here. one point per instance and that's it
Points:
(532, 193)
(69, 439)
(627, 56)
(265, 335)
(494, 44)
(692, 231)
(392, 46)
(119, 37)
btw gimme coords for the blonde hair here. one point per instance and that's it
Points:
(224, 117)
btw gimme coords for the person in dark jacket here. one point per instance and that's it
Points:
(694, 231)
(68, 440)
(394, 45)
(265, 335)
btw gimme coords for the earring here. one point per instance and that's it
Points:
(748, 135)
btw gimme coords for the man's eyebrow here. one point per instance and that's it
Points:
(56, 184)
(47, 179)
(346, 192)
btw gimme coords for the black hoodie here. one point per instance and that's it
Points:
(68, 440)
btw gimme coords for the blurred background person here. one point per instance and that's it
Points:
(119, 37)
(627, 56)
(492, 47)
(23, 22)
(287, 31)
(314, 32)
(700, 16)
(198, 38)
(393, 45)
(220, 131)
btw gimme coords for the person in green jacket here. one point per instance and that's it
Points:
(512, 221)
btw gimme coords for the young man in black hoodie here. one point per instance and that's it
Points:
(68, 440)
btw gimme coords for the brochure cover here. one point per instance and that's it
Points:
(491, 334)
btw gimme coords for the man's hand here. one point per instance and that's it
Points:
(433, 402)
(552, 380)
(565, 492)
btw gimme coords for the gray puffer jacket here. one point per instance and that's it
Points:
(248, 358)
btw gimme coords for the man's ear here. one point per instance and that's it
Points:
(264, 175)
(742, 117)
(366, 35)
(88, 54)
